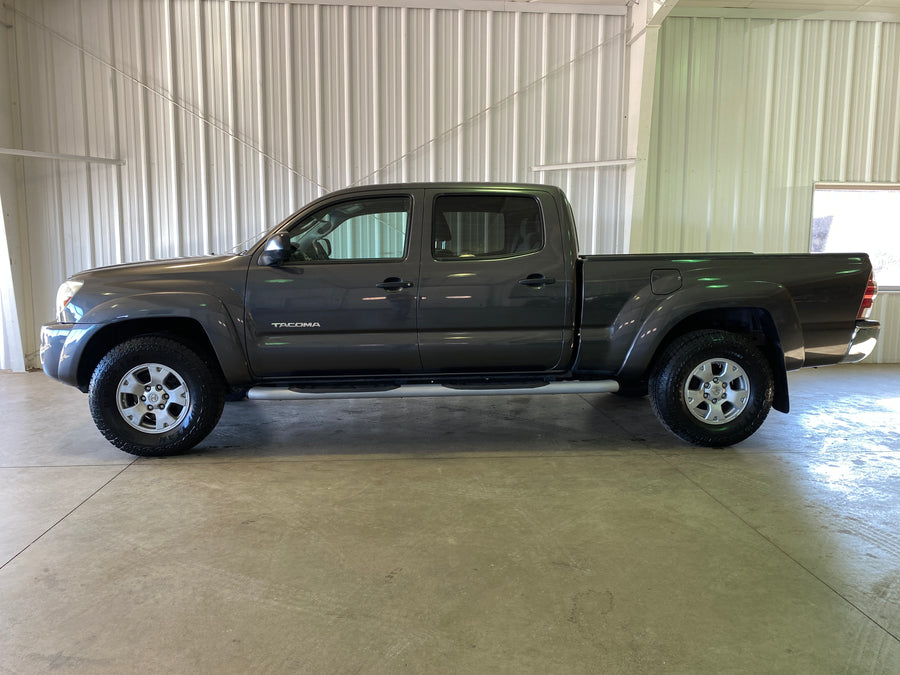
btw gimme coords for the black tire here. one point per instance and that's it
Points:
(153, 396)
(712, 388)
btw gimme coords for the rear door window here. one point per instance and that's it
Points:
(486, 227)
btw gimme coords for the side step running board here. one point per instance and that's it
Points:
(429, 390)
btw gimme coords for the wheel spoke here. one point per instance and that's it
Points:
(704, 372)
(131, 386)
(178, 394)
(696, 402)
(133, 413)
(165, 419)
(715, 415)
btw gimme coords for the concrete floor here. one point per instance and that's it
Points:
(565, 534)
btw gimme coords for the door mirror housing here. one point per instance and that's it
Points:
(278, 249)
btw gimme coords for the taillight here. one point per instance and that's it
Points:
(865, 307)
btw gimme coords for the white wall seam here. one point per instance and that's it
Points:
(460, 99)
(737, 180)
(622, 239)
(772, 53)
(516, 101)
(570, 137)
(58, 221)
(176, 179)
(202, 110)
(261, 97)
(895, 147)
(347, 87)
(376, 91)
(598, 95)
(231, 103)
(873, 99)
(686, 141)
(119, 242)
(712, 146)
(820, 102)
(488, 94)
(90, 248)
(848, 99)
(404, 98)
(545, 68)
(794, 107)
(433, 92)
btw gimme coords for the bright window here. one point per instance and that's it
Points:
(373, 228)
(859, 218)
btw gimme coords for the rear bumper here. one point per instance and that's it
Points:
(863, 342)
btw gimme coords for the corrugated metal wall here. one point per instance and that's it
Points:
(750, 113)
(230, 115)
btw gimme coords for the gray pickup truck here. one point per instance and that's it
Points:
(450, 290)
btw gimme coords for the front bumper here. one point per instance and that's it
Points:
(863, 342)
(61, 345)
(53, 338)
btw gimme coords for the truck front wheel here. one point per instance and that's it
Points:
(152, 396)
(712, 388)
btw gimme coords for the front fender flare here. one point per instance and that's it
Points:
(224, 332)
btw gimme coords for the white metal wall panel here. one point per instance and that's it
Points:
(230, 115)
(750, 113)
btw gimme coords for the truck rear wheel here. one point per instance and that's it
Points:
(152, 396)
(712, 388)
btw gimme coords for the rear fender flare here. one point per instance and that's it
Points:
(662, 319)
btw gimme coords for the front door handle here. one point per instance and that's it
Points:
(394, 284)
(537, 280)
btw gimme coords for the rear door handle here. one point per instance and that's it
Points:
(537, 280)
(394, 284)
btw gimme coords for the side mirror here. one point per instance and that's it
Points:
(278, 249)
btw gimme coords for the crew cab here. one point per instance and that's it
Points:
(449, 290)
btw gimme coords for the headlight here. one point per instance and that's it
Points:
(65, 293)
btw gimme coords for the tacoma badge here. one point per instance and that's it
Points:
(296, 324)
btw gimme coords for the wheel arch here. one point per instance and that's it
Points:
(185, 330)
(755, 323)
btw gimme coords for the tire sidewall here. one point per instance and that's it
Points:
(203, 412)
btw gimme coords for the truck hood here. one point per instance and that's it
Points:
(155, 267)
